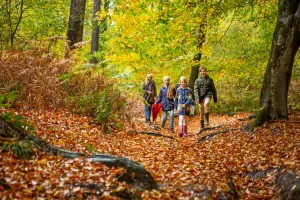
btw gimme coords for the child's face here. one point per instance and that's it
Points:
(149, 78)
(183, 83)
(167, 82)
(203, 73)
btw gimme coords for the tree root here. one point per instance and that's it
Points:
(156, 134)
(204, 129)
(135, 175)
(252, 116)
(211, 135)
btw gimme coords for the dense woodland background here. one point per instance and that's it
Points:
(233, 39)
(91, 57)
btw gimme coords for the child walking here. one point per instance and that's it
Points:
(183, 99)
(166, 96)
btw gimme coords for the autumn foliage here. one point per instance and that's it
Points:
(49, 92)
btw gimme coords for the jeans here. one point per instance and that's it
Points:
(148, 112)
(165, 116)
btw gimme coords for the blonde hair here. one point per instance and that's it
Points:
(182, 78)
(166, 78)
(148, 75)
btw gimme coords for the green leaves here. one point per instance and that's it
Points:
(17, 121)
(6, 100)
(20, 148)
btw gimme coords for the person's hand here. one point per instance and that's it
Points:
(183, 106)
(149, 92)
(197, 101)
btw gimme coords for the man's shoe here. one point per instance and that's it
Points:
(201, 124)
(207, 119)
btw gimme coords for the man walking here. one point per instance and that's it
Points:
(204, 90)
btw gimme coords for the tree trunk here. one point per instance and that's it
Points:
(201, 39)
(96, 31)
(104, 21)
(286, 41)
(76, 19)
(194, 71)
(12, 14)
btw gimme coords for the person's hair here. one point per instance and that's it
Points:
(166, 78)
(170, 92)
(148, 75)
(202, 68)
(182, 78)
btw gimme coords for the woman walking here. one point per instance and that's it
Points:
(149, 89)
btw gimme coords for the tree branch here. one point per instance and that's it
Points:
(225, 31)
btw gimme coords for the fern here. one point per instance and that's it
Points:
(8, 99)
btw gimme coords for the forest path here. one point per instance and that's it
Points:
(184, 167)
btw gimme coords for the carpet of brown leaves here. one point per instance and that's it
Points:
(183, 167)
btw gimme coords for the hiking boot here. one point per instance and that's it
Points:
(163, 124)
(180, 131)
(207, 119)
(171, 130)
(202, 124)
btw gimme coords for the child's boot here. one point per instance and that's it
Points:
(185, 130)
(180, 131)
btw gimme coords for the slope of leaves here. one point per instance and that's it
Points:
(183, 167)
